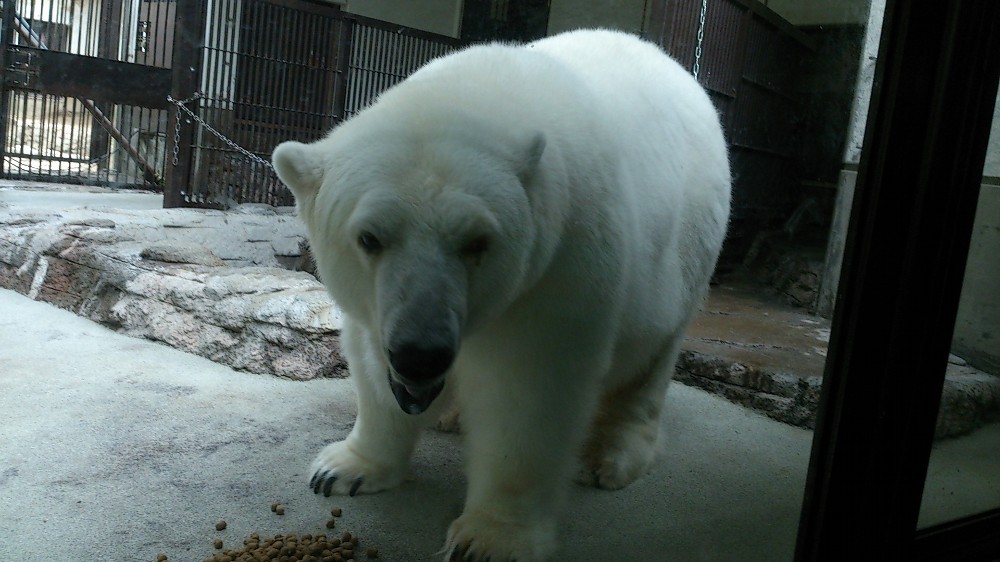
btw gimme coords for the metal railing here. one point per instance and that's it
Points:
(256, 91)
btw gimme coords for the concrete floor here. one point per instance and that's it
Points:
(53, 196)
(116, 449)
(113, 448)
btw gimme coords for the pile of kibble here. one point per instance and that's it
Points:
(291, 547)
(306, 548)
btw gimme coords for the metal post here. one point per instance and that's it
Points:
(911, 225)
(189, 39)
(109, 39)
(344, 46)
(6, 38)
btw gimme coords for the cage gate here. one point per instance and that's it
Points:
(84, 90)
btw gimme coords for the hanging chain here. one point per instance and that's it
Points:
(177, 131)
(701, 39)
(232, 144)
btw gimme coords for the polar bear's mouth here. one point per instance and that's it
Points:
(414, 399)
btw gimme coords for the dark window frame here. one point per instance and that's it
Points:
(911, 224)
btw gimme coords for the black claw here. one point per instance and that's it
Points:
(319, 481)
(460, 554)
(312, 481)
(329, 485)
(356, 485)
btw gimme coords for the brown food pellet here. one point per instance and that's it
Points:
(336, 512)
(291, 547)
(220, 525)
(274, 506)
(330, 524)
(161, 557)
(280, 510)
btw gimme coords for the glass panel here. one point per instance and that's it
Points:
(963, 477)
(790, 80)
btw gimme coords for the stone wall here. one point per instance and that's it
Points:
(159, 275)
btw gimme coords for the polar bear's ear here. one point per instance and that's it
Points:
(300, 167)
(529, 156)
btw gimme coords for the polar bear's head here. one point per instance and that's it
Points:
(421, 237)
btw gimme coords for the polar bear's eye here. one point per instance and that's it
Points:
(369, 243)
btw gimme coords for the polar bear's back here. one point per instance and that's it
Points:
(590, 87)
(674, 158)
(626, 72)
(656, 105)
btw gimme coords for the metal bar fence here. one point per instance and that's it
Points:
(55, 133)
(384, 54)
(252, 88)
(259, 89)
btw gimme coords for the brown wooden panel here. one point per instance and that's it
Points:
(64, 74)
(721, 47)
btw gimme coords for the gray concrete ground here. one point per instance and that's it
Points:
(60, 196)
(117, 448)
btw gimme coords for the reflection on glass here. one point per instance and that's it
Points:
(963, 477)
(790, 79)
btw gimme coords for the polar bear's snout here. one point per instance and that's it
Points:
(421, 364)
(416, 374)
(420, 349)
(423, 311)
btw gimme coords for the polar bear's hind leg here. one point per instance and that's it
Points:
(626, 429)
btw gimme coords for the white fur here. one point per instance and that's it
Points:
(596, 170)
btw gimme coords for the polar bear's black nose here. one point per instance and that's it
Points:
(421, 364)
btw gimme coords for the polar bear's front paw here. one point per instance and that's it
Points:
(449, 421)
(341, 469)
(477, 537)
(613, 466)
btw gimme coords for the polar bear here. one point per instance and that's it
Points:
(524, 231)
